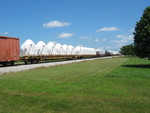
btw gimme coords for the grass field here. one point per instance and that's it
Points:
(117, 85)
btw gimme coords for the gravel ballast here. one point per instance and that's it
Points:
(11, 69)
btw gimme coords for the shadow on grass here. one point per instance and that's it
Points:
(137, 66)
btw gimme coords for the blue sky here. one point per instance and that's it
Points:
(106, 24)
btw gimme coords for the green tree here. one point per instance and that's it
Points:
(127, 50)
(142, 35)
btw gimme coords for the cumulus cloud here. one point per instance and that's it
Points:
(65, 35)
(93, 39)
(107, 29)
(119, 41)
(108, 47)
(104, 39)
(119, 45)
(124, 39)
(97, 40)
(56, 23)
(4, 33)
(86, 38)
(81, 45)
(132, 30)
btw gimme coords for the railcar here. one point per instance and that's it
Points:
(33, 53)
(10, 51)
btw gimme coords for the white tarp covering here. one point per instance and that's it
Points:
(93, 51)
(88, 51)
(64, 49)
(57, 49)
(77, 50)
(82, 51)
(114, 52)
(41, 48)
(28, 48)
(50, 47)
(85, 51)
(70, 50)
(100, 51)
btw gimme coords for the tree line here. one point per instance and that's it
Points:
(141, 45)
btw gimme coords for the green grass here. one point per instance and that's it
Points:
(117, 85)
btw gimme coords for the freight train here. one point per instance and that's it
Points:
(10, 51)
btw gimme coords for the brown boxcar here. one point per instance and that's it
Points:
(9, 50)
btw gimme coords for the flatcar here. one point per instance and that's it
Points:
(10, 51)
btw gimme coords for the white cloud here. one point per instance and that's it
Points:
(125, 37)
(93, 39)
(4, 33)
(119, 45)
(65, 35)
(108, 47)
(86, 38)
(56, 23)
(104, 39)
(97, 40)
(132, 30)
(107, 29)
(119, 41)
(81, 45)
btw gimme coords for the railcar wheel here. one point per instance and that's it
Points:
(12, 63)
(25, 62)
(31, 61)
(4, 64)
(37, 61)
